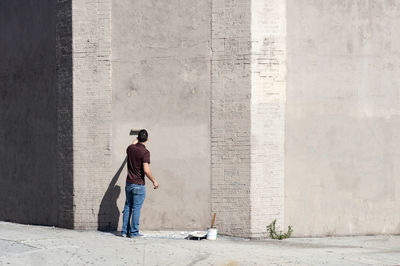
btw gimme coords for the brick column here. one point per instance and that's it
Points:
(92, 113)
(248, 93)
(231, 116)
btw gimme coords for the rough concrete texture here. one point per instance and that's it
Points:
(28, 120)
(34, 245)
(161, 82)
(342, 121)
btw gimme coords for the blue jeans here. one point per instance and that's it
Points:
(135, 195)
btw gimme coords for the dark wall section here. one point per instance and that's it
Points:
(28, 112)
(64, 145)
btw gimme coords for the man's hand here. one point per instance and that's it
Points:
(148, 173)
(155, 184)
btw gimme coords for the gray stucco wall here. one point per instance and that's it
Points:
(161, 82)
(64, 133)
(342, 117)
(28, 118)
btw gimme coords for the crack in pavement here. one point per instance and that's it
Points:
(17, 242)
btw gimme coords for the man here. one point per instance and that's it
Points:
(138, 160)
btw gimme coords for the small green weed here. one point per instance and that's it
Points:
(271, 229)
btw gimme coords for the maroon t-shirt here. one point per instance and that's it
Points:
(137, 155)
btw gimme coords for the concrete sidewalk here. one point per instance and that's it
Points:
(39, 245)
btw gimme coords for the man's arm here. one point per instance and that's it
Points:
(147, 171)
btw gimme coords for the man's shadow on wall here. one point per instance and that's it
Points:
(108, 217)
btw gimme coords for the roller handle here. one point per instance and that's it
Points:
(213, 220)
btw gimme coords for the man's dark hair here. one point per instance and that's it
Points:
(143, 135)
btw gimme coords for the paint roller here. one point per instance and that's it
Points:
(134, 132)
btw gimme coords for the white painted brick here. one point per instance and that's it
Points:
(268, 69)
